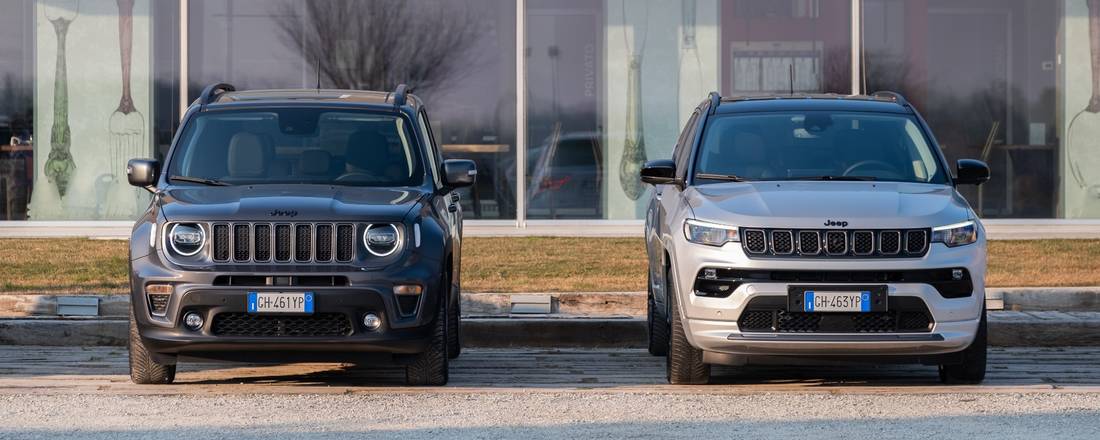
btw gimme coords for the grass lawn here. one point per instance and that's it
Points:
(531, 264)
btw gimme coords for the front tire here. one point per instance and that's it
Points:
(430, 367)
(143, 369)
(454, 326)
(972, 368)
(685, 363)
(657, 325)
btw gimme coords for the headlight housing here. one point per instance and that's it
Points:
(710, 234)
(383, 239)
(186, 239)
(958, 234)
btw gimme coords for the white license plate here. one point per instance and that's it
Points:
(280, 302)
(836, 301)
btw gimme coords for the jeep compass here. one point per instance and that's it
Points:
(812, 229)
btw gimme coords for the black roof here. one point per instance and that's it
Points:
(879, 102)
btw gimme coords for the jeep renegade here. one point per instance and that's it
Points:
(298, 225)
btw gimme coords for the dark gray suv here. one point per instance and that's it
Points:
(298, 225)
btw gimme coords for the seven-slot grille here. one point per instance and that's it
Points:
(283, 242)
(835, 242)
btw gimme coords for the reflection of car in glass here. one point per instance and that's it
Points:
(566, 177)
(290, 225)
(814, 227)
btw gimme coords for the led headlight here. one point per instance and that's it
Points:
(186, 239)
(710, 234)
(382, 239)
(958, 234)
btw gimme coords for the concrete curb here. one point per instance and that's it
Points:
(1030, 329)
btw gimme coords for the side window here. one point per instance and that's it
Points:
(433, 152)
(684, 144)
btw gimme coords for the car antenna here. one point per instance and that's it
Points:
(791, 71)
(318, 73)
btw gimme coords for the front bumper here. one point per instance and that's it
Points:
(406, 329)
(712, 323)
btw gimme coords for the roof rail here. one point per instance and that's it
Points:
(400, 95)
(894, 95)
(715, 99)
(211, 92)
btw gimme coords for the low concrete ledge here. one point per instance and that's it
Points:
(1025, 329)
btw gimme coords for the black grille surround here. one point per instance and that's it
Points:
(257, 242)
(247, 325)
(768, 314)
(834, 243)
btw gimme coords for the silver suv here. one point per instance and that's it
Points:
(814, 227)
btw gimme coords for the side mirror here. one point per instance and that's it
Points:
(971, 172)
(458, 173)
(659, 172)
(142, 172)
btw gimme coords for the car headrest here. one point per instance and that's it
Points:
(315, 162)
(248, 155)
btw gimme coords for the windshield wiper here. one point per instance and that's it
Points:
(210, 182)
(726, 177)
(837, 178)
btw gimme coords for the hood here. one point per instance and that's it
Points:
(811, 204)
(287, 203)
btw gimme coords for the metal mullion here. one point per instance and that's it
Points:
(521, 114)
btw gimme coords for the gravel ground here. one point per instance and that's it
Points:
(553, 415)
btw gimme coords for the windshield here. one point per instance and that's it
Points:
(296, 145)
(818, 145)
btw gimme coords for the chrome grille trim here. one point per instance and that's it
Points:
(282, 243)
(835, 243)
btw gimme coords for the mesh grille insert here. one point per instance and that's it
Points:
(809, 242)
(782, 242)
(282, 242)
(243, 324)
(345, 242)
(836, 242)
(915, 241)
(324, 242)
(303, 242)
(241, 245)
(221, 242)
(755, 241)
(863, 242)
(890, 242)
(262, 240)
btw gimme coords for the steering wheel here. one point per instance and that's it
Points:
(873, 165)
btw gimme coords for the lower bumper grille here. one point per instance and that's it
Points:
(243, 324)
(769, 314)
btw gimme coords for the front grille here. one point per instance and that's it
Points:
(883, 243)
(283, 242)
(243, 324)
(769, 314)
(158, 303)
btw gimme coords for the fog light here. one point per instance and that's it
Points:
(372, 322)
(957, 274)
(192, 320)
(407, 289)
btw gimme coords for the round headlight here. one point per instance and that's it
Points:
(186, 239)
(382, 240)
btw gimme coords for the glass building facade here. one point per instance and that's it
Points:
(558, 101)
